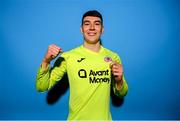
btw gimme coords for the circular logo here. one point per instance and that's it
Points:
(107, 59)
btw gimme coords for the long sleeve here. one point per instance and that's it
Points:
(123, 91)
(45, 79)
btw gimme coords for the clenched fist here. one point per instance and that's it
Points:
(52, 52)
(117, 72)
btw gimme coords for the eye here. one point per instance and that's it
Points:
(98, 23)
(86, 24)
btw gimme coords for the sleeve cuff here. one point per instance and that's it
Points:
(123, 91)
(42, 71)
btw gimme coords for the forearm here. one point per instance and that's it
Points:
(44, 64)
(120, 87)
(42, 78)
(119, 84)
(47, 77)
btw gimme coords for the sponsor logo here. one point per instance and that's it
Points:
(95, 76)
(82, 73)
(80, 60)
(107, 59)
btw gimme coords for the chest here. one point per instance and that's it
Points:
(93, 64)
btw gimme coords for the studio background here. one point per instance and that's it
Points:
(145, 33)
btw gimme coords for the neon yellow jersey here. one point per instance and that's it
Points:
(89, 79)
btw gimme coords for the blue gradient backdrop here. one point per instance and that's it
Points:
(145, 33)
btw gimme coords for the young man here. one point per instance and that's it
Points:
(91, 70)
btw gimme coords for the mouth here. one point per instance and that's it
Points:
(91, 33)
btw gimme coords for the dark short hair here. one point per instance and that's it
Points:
(94, 13)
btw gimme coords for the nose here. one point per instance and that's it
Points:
(92, 27)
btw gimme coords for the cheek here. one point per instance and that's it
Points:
(85, 28)
(99, 30)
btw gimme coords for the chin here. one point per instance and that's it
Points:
(92, 41)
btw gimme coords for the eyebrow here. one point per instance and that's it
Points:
(99, 21)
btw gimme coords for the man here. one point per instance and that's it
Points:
(91, 70)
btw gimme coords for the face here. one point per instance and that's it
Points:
(92, 29)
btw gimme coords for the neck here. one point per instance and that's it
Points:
(93, 47)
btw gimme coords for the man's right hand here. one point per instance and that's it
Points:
(52, 52)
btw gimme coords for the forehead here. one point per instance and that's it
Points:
(91, 18)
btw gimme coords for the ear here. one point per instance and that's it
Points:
(81, 29)
(102, 29)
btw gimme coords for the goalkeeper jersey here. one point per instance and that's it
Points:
(89, 78)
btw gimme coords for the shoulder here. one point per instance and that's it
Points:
(115, 56)
(110, 52)
(71, 52)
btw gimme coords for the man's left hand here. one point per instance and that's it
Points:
(117, 71)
